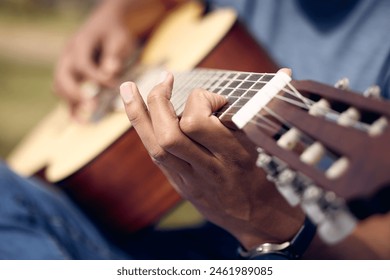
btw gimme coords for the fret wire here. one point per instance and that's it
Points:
(200, 77)
(230, 104)
(234, 105)
(217, 82)
(182, 90)
(219, 78)
(229, 79)
(212, 80)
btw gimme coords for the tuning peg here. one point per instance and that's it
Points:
(338, 168)
(290, 139)
(291, 186)
(373, 92)
(313, 153)
(268, 163)
(378, 127)
(311, 204)
(338, 222)
(342, 83)
(349, 117)
(320, 108)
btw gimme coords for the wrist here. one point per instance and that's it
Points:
(276, 222)
(292, 249)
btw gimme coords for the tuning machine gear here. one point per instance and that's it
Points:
(269, 164)
(324, 208)
(291, 185)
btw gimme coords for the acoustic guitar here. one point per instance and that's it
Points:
(297, 124)
(103, 165)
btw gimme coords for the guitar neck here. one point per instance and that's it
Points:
(238, 87)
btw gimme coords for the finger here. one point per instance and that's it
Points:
(86, 65)
(114, 53)
(67, 83)
(167, 129)
(138, 115)
(288, 71)
(199, 123)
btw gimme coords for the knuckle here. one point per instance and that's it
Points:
(168, 140)
(156, 94)
(189, 125)
(134, 118)
(158, 155)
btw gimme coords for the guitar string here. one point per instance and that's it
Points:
(193, 75)
(208, 80)
(215, 78)
(217, 83)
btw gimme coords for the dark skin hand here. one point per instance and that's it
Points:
(195, 153)
(214, 168)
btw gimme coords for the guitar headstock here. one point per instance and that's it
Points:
(325, 149)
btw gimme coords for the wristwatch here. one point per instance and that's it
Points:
(293, 249)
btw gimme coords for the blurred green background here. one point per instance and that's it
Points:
(32, 34)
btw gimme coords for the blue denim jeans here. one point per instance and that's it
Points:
(39, 221)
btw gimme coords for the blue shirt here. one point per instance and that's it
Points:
(324, 40)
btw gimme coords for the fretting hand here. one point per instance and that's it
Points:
(210, 165)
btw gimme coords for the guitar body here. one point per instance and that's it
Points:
(104, 166)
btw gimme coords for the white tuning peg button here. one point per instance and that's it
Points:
(338, 222)
(342, 83)
(289, 139)
(373, 92)
(349, 117)
(313, 154)
(311, 204)
(336, 226)
(286, 184)
(378, 127)
(267, 163)
(320, 108)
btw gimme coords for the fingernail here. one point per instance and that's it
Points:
(126, 92)
(163, 76)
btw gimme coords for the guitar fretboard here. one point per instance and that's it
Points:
(239, 87)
